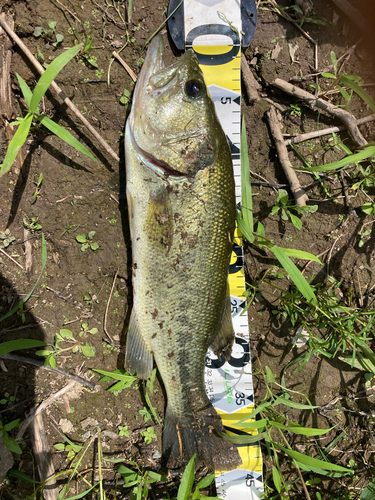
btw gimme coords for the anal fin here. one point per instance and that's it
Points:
(138, 357)
(222, 342)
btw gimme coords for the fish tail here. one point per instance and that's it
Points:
(184, 437)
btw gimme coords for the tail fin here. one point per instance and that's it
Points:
(182, 437)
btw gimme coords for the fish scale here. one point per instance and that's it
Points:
(181, 211)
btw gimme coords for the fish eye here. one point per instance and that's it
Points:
(193, 88)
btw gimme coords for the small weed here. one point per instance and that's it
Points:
(295, 110)
(87, 242)
(6, 238)
(38, 187)
(32, 100)
(49, 34)
(285, 208)
(149, 435)
(7, 399)
(70, 447)
(125, 99)
(363, 236)
(69, 228)
(32, 225)
(90, 300)
(123, 430)
(65, 335)
(145, 413)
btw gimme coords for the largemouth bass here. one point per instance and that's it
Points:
(181, 202)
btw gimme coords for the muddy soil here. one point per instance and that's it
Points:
(81, 289)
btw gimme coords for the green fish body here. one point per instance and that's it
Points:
(181, 202)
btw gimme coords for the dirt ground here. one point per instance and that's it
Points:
(79, 195)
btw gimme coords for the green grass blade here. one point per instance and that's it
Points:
(300, 254)
(23, 301)
(362, 155)
(25, 89)
(16, 143)
(115, 376)
(82, 495)
(359, 90)
(304, 431)
(246, 194)
(246, 233)
(295, 274)
(312, 462)
(293, 404)
(65, 136)
(50, 74)
(187, 481)
(248, 439)
(17, 345)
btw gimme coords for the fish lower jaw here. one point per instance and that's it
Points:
(161, 168)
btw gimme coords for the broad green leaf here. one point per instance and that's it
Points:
(283, 196)
(187, 481)
(16, 143)
(242, 439)
(156, 477)
(20, 475)
(205, 482)
(246, 192)
(312, 462)
(297, 429)
(362, 155)
(292, 404)
(65, 136)
(59, 446)
(334, 61)
(328, 75)
(11, 425)
(81, 238)
(296, 221)
(344, 93)
(88, 351)
(25, 89)
(300, 254)
(277, 478)
(16, 345)
(368, 208)
(369, 492)
(91, 234)
(270, 377)
(66, 333)
(295, 274)
(12, 444)
(50, 74)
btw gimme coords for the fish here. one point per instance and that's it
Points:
(181, 205)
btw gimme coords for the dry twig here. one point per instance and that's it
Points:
(59, 91)
(43, 458)
(11, 258)
(40, 364)
(28, 252)
(251, 85)
(319, 133)
(299, 194)
(312, 101)
(41, 407)
(106, 309)
(128, 69)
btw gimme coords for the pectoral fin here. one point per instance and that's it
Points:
(138, 357)
(159, 222)
(223, 340)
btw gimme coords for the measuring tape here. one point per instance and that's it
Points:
(215, 30)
